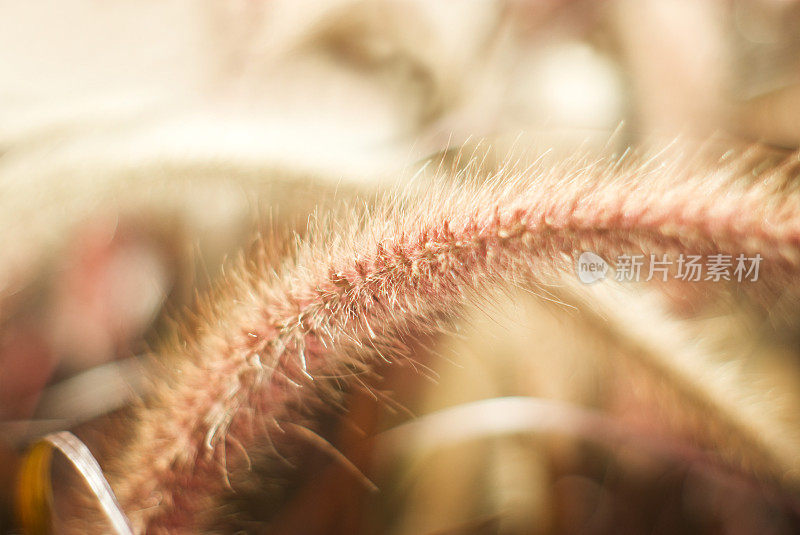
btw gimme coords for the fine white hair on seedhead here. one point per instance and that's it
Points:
(376, 287)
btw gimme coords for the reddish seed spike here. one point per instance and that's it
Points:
(480, 235)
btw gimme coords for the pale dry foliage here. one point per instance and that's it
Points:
(350, 284)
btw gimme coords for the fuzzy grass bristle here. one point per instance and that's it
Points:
(278, 343)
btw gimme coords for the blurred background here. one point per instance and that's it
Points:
(143, 142)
